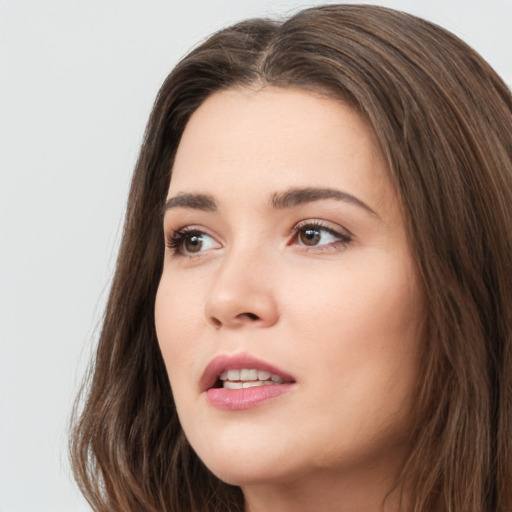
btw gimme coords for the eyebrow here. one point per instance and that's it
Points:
(298, 196)
(195, 201)
(280, 200)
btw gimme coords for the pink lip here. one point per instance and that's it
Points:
(237, 399)
(226, 362)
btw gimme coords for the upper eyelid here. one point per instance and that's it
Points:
(330, 226)
(322, 224)
(174, 240)
(189, 228)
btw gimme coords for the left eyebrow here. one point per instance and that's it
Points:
(297, 196)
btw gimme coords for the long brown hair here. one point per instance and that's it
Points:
(444, 122)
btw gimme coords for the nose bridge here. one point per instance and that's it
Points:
(242, 290)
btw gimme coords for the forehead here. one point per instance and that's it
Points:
(273, 138)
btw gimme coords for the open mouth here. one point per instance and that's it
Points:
(247, 378)
(241, 371)
(234, 382)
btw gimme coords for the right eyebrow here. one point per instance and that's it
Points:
(195, 201)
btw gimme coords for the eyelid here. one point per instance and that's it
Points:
(344, 237)
(174, 239)
(321, 224)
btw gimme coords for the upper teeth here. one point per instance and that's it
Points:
(246, 378)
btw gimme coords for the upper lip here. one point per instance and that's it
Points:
(224, 362)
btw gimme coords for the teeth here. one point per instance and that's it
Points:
(248, 384)
(234, 374)
(232, 385)
(262, 375)
(248, 374)
(255, 383)
(247, 378)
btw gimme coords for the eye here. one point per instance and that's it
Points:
(315, 234)
(188, 242)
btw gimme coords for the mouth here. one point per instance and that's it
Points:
(247, 378)
(241, 371)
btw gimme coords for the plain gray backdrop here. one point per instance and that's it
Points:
(77, 81)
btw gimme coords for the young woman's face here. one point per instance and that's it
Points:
(287, 256)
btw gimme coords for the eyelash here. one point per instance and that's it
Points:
(343, 239)
(176, 239)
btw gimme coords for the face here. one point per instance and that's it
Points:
(287, 257)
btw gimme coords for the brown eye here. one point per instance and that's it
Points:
(317, 236)
(193, 243)
(309, 236)
(190, 242)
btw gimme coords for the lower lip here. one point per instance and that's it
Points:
(239, 399)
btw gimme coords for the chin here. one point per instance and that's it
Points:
(248, 466)
(244, 474)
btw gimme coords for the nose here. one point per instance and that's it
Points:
(242, 294)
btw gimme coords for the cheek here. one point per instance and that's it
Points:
(368, 300)
(175, 321)
(179, 306)
(360, 329)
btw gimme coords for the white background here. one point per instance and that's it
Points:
(77, 81)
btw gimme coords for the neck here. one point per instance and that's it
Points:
(367, 490)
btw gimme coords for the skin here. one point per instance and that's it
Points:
(341, 314)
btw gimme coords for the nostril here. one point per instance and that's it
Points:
(216, 322)
(251, 316)
(241, 317)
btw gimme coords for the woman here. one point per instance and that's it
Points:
(312, 305)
